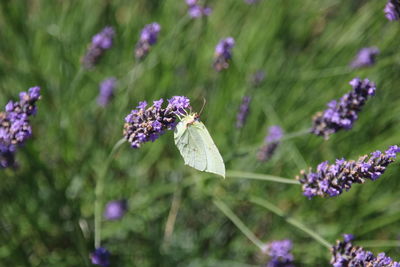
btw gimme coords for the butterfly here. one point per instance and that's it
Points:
(197, 147)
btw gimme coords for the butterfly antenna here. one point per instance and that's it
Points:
(202, 108)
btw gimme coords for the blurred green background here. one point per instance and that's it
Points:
(305, 47)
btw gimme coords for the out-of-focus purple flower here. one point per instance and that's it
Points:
(365, 57)
(280, 252)
(116, 209)
(344, 254)
(243, 112)
(271, 143)
(148, 38)
(106, 91)
(147, 124)
(392, 10)
(223, 53)
(332, 180)
(100, 43)
(100, 256)
(195, 10)
(257, 78)
(14, 125)
(343, 113)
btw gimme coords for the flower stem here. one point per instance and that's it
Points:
(295, 134)
(239, 224)
(379, 243)
(98, 203)
(258, 176)
(271, 207)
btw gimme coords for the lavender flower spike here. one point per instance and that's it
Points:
(196, 11)
(243, 112)
(100, 256)
(106, 91)
(271, 143)
(223, 53)
(148, 38)
(14, 125)
(344, 253)
(392, 10)
(280, 253)
(365, 57)
(116, 209)
(332, 180)
(343, 113)
(100, 43)
(147, 124)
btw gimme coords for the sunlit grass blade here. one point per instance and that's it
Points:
(259, 176)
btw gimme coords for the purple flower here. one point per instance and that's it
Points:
(14, 125)
(365, 57)
(100, 43)
(147, 124)
(100, 256)
(332, 180)
(271, 143)
(280, 253)
(250, 2)
(243, 112)
(115, 209)
(344, 254)
(257, 78)
(196, 11)
(148, 38)
(106, 91)
(392, 10)
(343, 113)
(223, 53)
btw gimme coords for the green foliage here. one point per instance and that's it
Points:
(47, 205)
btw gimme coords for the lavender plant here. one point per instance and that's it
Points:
(100, 256)
(392, 10)
(223, 53)
(343, 113)
(332, 180)
(243, 112)
(148, 38)
(106, 91)
(116, 209)
(101, 42)
(15, 128)
(344, 253)
(271, 143)
(195, 10)
(365, 57)
(280, 253)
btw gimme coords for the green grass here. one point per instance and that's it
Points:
(47, 205)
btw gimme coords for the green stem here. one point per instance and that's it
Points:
(98, 203)
(239, 224)
(295, 134)
(258, 176)
(271, 207)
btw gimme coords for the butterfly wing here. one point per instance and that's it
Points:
(191, 149)
(214, 162)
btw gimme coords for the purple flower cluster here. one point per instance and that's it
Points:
(100, 256)
(250, 2)
(116, 209)
(271, 142)
(196, 11)
(223, 53)
(147, 124)
(365, 57)
(14, 124)
(344, 254)
(100, 43)
(280, 253)
(331, 180)
(106, 91)
(392, 10)
(148, 37)
(243, 112)
(343, 113)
